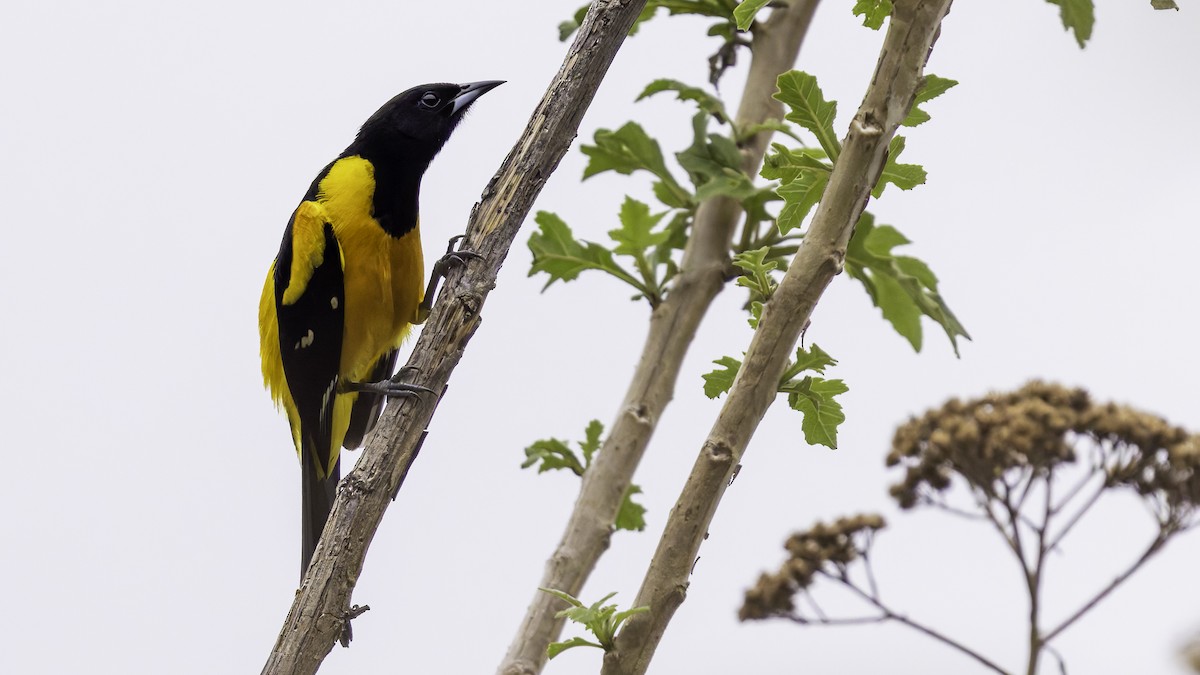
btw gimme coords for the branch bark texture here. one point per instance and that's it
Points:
(672, 326)
(913, 28)
(322, 605)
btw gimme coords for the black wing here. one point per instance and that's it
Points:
(310, 337)
(310, 347)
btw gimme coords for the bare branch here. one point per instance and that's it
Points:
(323, 601)
(911, 33)
(672, 326)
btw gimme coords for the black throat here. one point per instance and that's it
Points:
(397, 191)
(398, 170)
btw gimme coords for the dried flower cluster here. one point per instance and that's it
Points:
(1037, 428)
(810, 551)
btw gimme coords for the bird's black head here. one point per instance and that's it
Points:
(416, 123)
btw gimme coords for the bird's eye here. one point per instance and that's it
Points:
(430, 100)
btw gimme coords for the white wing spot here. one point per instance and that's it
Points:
(306, 340)
(333, 302)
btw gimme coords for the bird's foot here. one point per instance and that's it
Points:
(453, 256)
(439, 271)
(393, 388)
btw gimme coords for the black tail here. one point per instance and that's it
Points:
(317, 501)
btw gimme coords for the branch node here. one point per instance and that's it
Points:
(641, 414)
(720, 452)
(866, 125)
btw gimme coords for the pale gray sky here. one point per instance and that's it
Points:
(153, 151)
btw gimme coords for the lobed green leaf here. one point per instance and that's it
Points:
(931, 87)
(873, 12)
(707, 102)
(814, 398)
(814, 358)
(1078, 16)
(799, 91)
(720, 380)
(904, 288)
(591, 442)
(631, 515)
(555, 648)
(714, 164)
(551, 454)
(560, 256)
(745, 12)
(903, 176)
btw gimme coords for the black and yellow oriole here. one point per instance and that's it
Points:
(348, 282)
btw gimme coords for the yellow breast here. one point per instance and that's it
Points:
(384, 275)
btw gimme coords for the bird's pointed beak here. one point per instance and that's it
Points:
(471, 91)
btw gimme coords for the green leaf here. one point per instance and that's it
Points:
(637, 239)
(716, 8)
(799, 91)
(769, 125)
(620, 617)
(903, 288)
(591, 442)
(814, 398)
(1164, 4)
(744, 14)
(898, 308)
(799, 197)
(631, 515)
(931, 88)
(567, 28)
(1078, 16)
(714, 164)
(555, 648)
(557, 253)
(903, 176)
(677, 236)
(784, 164)
(626, 150)
(599, 619)
(551, 454)
(673, 196)
(814, 358)
(873, 12)
(707, 102)
(720, 380)
(803, 175)
(757, 272)
(756, 309)
(636, 233)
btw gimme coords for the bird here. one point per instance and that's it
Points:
(348, 283)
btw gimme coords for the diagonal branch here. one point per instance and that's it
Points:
(672, 326)
(911, 33)
(322, 604)
(888, 615)
(1155, 546)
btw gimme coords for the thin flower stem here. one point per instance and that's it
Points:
(1155, 547)
(849, 621)
(1075, 517)
(1030, 475)
(889, 615)
(1077, 488)
(954, 511)
(870, 576)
